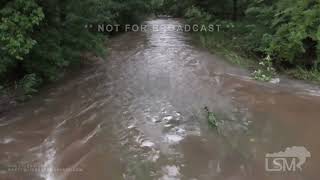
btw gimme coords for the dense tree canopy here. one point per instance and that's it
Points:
(39, 39)
(288, 30)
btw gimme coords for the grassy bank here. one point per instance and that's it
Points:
(278, 36)
(217, 43)
(230, 48)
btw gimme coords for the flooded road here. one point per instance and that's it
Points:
(139, 115)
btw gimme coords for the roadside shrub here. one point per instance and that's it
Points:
(265, 71)
(29, 85)
(294, 24)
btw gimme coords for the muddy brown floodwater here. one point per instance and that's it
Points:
(138, 115)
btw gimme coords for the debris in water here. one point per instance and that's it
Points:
(179, 130)
(275, 81)
(7, 140)
(212, 120)
(168, 118)
(147, 144)
(155, 120)
(131, 126)
(154, 155)
(173, 138)
(170, 172)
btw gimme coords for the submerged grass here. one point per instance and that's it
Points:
(211, 117)
(217, 43)
(305, 74)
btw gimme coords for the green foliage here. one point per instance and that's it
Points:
(305, 74)
(18, 20)
(29, 84)
(265, 70)
(294, 24)
(195, 16)
(39, 40)
(287, 30)
(211, 117)
(212, 120)
(156, 6)
(176, 8)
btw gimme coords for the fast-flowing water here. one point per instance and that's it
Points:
(138, 115)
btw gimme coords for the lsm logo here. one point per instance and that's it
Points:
(290, 160)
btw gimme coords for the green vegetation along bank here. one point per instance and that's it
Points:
(280, 34)
(39, 40)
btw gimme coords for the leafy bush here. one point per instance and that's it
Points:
(293, 24)
(18, 20)
(265, 71)
(29, 84)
